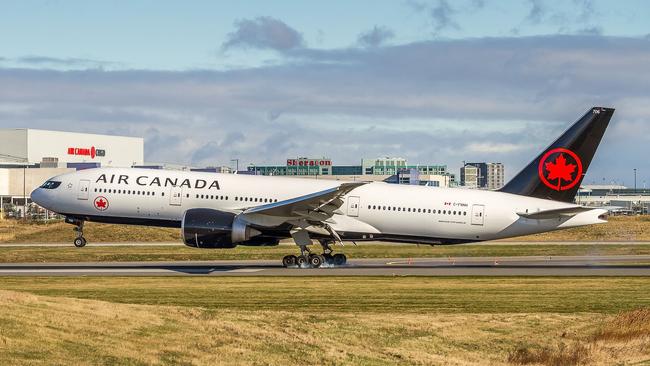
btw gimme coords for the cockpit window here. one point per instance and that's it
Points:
(51, 184)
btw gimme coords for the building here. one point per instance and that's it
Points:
(28, 157)
(382, 166)
(616, 198)
(482, 175)
(58, 148)
(392, 170)
(473, 175)
(495, 176)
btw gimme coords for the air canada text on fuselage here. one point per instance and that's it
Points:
(145, 180)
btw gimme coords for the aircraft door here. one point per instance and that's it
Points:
(82, 194)
(478, 212)
(175, 196)
(353, 206)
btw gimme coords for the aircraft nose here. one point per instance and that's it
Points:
(42, 198)
(37, 196)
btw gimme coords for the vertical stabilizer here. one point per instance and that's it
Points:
(557, 172)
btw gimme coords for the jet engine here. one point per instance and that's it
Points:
(208, 228)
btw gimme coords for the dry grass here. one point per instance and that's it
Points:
(559, 355)
(12, 231)
(615, 337)
(617, 229)
(154, 252)
(625, 326)
(47, 330)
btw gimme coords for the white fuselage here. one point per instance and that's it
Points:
(372, 211)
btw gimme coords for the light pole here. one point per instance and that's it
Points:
(24, 194)
(236, 166)
(634, 180)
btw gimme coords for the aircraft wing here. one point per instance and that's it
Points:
(555, 213)
(318, 206)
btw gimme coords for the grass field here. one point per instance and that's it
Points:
(153, 252)
(279, 321)
(617, 229)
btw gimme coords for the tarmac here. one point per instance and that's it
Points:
(611, 265)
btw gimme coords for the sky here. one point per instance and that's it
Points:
(437, 82)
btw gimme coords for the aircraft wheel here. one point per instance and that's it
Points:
(340, 259)
(302, 261)
(289, 261)
(80, 242)
(316, 260)
(329, 259)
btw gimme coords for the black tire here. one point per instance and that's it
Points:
(339, 259)
(329, 259)
(80, 242)
(316, 260)
(302, 261)
(289, 261)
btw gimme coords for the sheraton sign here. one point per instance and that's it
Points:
(309, 162)
(85, 151)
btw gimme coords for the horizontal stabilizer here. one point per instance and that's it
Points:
(554, 214)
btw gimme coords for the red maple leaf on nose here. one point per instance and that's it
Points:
(560, 170)
(101, 203)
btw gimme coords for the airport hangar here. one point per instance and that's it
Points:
(28, 157)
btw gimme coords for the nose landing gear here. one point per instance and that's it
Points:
(79, 241)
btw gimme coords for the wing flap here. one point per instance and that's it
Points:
(319, 205)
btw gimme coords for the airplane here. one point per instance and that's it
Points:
(216, 210)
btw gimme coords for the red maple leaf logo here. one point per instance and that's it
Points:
(101, 203)
(560, 170)
(564, 175)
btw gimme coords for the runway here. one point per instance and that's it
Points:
(614, 265)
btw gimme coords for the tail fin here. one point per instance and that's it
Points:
(557, 172)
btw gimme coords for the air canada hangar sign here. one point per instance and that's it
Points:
(86, 151)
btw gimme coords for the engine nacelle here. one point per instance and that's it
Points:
(208, 228)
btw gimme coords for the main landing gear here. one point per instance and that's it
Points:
(310, 260)
(79, 241)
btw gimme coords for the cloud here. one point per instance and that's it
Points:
(587, 9)
(375, 37)
(55, 61)
(490, 147)
(537, 12)
(441, 14)
(435, 101)
(263, 33)
(591, 31)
